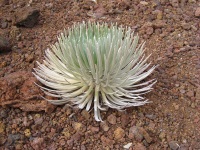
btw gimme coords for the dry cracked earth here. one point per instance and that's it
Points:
(171, 29)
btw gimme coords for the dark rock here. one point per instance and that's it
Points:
(12, 138)
(3, 113)
(4, 2)
(4, 24)
(2, 139)
(4, 45)
(27, 17)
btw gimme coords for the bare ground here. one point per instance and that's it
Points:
(171, 29)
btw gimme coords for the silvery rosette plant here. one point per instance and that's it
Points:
(96, 65)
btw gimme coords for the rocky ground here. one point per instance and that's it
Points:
(171, 29)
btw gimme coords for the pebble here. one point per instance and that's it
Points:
(190, 93)
(85, 114)
(112, 119)
(119, 133)
(27, 132)
(134, 132)
(197, 12)
(150, 116)
(77, 126)
(76, 137)
(144, 3)
(139, 146)
(127, 146)
(174, 145)
(162, 136)
(159, 15)
(124, 120)
(106, 141)
(39, 121)
(104, 126)
(4, 24)
(2, 139)
(94, 129)
(2, 127)
(4, 2)
(174, 3)
(4, 45)
(149, 30)
(145, 134)
(3, 113)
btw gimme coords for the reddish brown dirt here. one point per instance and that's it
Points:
(171, 29)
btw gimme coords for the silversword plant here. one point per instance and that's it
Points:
(97, 66)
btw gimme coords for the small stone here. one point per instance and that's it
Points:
(2, 139)
(3, 113)
(134, 132)
(39, 121)
(4, 24)
(106, 141)
(159, 15)
(119, 133)
(77, 126)
(83, 147)
(76, 137)
(112, 119)
(70, 142)
(174, 145)
(37, 143)
(159, 24)
(150, 116)
(182, 91)
(104, 126)
(162, 136)
(144, 3)
(145, 134)
(29, 58)
(197, 96)
(149, 30)
(190, 93)
(174, 3)
(19, 146)
(197, 12)
(27, 133)
(66, 133)
(94, 129)
(127, 146)
(85, 114)
(62, 142)
(139, 146)
(4, 45)
(124, 120)
(2, 127)
(4, 2)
